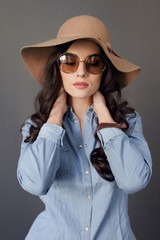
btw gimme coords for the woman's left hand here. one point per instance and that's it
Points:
(101, 109)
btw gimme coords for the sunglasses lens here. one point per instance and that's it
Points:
(95, 64)
(68, 63)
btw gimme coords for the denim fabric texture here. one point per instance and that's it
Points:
(79, 204)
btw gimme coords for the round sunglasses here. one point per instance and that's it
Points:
(69, 62)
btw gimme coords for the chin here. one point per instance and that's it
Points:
(80, 95)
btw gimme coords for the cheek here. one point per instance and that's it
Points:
(66, 82)
(63, 77)
(96, 84)
(66, 88)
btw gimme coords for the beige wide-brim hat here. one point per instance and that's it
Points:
(79, 27)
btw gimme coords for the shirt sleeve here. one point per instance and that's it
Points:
(39, 161)
(128, 155)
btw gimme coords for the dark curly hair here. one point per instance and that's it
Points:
(110, 89)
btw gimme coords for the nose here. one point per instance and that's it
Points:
(81, 70)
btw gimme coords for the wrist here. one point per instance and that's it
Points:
(108, 125)
(105, 119)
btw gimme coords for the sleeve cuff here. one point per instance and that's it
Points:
(107, 134)
(52, 132)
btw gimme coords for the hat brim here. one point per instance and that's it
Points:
(35, 57)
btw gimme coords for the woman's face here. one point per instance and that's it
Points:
(82, 84)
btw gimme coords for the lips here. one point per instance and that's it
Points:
(80, 85)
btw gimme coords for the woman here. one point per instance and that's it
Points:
(83, 151)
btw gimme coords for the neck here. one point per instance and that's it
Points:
(80, 106)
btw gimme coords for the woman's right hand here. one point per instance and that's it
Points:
(58, 109)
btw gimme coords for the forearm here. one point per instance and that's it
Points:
(58, 109)
(129, 158)
(101, 109)
(104, 115)
(56, 116)
(40, 160)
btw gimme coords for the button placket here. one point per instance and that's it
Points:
(84, 152)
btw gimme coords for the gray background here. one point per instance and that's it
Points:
(134, 29)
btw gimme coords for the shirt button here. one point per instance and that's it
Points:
(86, 145)
(75, 121)
(86, 172)
(86, 228)
(87, 119)
(89, 197)
(80, 146)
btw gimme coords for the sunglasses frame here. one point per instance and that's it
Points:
(78, 60)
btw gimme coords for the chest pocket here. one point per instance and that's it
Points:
(65, 161)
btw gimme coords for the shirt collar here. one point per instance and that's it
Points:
(70, 113)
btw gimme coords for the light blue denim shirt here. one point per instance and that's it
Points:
(79, 204)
